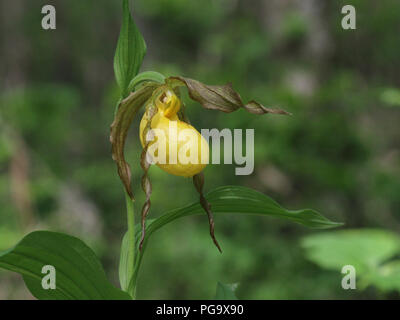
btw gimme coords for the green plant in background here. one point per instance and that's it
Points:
(371, 252)
(79, 272)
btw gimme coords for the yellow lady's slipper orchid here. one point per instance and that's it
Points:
(180, 149)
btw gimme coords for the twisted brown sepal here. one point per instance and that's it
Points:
(223, 98)
(198, 181)
(124, 116)
(146, 183)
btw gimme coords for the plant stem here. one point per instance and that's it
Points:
(130, 212)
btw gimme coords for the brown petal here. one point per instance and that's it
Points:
(223, 98)
(257, 108)
(124, 116)
(146, 183)
(198, 181)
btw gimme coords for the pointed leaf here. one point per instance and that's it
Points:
(235, 200)
(243, 200)
(130, 51)
(78, 272)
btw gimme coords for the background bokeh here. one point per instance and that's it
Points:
(339, 153)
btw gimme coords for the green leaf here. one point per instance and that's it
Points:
(79, 274)
(126, 112)
(235, 200)
(130, 51)
(123, 271)
(225, 292)
(365, 249)
(242, 200)
(146, 76)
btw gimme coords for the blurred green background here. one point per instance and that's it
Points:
(339, 153)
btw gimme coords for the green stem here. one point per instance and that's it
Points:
(130, 212)
(138, 261)
(132, 270)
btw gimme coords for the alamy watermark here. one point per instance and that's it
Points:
(183, 146)
(49, 20)
(349, 20)
(49, 280)
(349, 280)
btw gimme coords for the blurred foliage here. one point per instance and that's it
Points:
(391, 96)
(367, 250)
(225, 291)
(339, 153)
